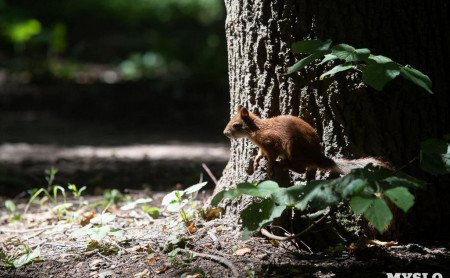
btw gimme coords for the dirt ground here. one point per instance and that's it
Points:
(206, 248)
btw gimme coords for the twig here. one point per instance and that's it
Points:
(280, 238)
(27, 230)
(209, 173)
(221, 260)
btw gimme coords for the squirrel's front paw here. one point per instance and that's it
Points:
(256, 162)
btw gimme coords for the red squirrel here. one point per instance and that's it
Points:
(290, 138)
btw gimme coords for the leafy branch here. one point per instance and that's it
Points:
(365, 189)
(376, 70)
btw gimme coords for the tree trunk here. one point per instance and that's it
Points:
(352, 119)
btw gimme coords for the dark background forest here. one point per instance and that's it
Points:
(109, 73)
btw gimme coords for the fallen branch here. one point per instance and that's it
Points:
(221, 260)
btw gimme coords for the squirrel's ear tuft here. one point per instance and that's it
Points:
(243, 112)
(239, 108)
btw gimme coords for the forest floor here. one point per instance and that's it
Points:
(130, 243)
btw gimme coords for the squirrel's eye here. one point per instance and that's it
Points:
(237, 125)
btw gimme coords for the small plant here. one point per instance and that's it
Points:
(97, 229)
(131, 205)
(11, 207)
(376, 70)
(50, 177)
(113, 196)
(175, 202)
(154, 212)
(16, 253)
(75, 191)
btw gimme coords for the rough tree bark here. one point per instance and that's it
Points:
(352, 119)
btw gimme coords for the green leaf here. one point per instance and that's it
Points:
(319, 194)
(377, 74)
(255, 215)
(349, 53)
(176, 206)
(261, 190)
(103, 218)
(154, 212)
(305, 61)
(359, 204)
(171, 197)
(374, 209)
(354, 187)
(194, 188)
(310, 46)
(115, 232)
(401, 197)
(337, 69)
(23, 31)
(230, 194)
(132, 205)
(328, 57)
(27, 258)
(416, 77)
(99, 233)
(84, 231)
(10, 206)
(397, 181)
(288, 196)
(435, 156)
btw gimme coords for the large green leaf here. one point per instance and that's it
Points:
(194, 188)
(289, 196)
(359, 204)
(374, 209)
(230, 194)
(349, 53)
(416, 77)
(379, 214)
(435, 156)
(305, 61)
(256, 215)
(397, 181)
(401, 197)
(27, 257)
(379, 71)
(319, 194)
(337, 69)
(310, 46)
(328, 57)
(261, 190)
(354, 187)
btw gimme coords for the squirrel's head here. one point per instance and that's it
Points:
(239, 125)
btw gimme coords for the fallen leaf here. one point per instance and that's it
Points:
(222, 228)
(196, 275)
(152, 258)
(144, 273)
(192, 229)
(87, 218)
(382, 243)
(243, 251)
(163, 268)
(212, 213)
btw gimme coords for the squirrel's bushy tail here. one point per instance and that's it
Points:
(344, 166)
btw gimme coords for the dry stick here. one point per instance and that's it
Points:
(280, 238)
(221, 260)
(209, 173)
